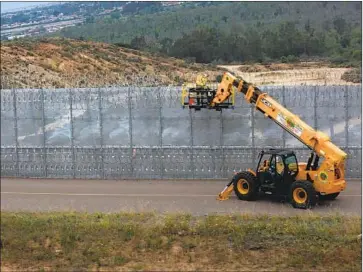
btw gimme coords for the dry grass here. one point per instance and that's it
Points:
(281, 66)
(131, 242)
(59, 63)
(65, 63)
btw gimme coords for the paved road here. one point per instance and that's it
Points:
(195, 197)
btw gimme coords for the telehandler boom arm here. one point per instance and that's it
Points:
(315, 140)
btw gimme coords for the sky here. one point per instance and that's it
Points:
(9, 6)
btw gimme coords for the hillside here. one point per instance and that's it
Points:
(226, 32)
(229, 16)
(58, 62)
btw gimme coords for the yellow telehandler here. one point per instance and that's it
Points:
(277, 172)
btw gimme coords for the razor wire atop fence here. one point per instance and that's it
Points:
(143, 132)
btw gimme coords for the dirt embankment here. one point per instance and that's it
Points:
(61, 63)
(305, 73)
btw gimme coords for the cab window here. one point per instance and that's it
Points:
(291, 163)
(279, 165)
(273, 163)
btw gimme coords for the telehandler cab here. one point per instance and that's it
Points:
(275, 174)
(278, 171)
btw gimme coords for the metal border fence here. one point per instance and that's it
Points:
(212, 145)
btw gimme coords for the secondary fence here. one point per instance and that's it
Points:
(143, 132)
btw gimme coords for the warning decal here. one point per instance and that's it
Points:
(290, 124)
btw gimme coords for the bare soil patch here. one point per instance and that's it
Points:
(308, 73)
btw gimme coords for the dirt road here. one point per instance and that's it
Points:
(312, 76)
(195, 197)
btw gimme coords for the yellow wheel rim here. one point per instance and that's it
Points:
(300, 195)
(243, 186)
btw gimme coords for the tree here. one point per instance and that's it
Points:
(166, 45)
(258, 36)
(307, 26)
(201, 44)
(290, 39)
(138, 42)
(115, 15)
(90, 19)
(253, 45)
(339, 25)
(331, 41)
(21, 18)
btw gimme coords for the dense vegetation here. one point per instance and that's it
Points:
(238, 31)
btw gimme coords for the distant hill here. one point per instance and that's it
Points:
(224, 32)
(59, 62)
(229, 16)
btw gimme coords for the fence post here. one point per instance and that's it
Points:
(253, 136)
(221, 142)
(161, 154)
(43, 131)
(72, 132)
(130, 130)
(101, 131)
(16, 133)
(346, 106)
(191, 144)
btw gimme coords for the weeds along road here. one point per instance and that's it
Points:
(194, 197)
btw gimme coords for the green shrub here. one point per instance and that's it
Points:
(339, 60)
(67, 55)
(289, 59)
(353, 75)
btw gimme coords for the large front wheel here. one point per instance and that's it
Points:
(303, 195)
(245, 186)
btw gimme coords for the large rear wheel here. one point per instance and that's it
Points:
(245, 186)
(303, 195)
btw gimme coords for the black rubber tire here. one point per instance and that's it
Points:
(329, 197)
(311, 195)
(253, 186)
